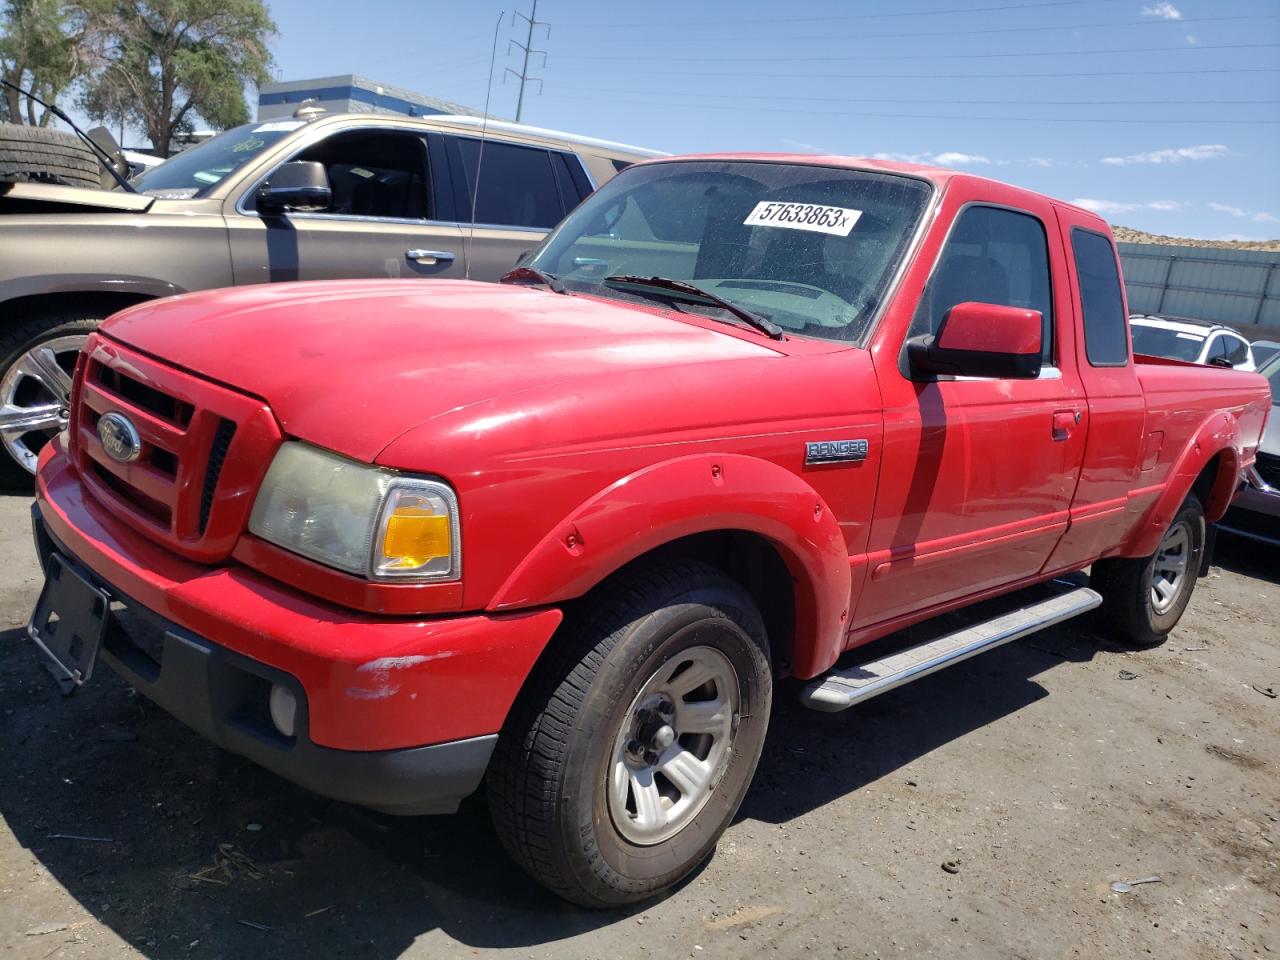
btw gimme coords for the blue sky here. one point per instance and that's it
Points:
(1162, 114)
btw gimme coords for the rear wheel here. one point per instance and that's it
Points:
(1144, 597)
(633, 746)
(37, 358)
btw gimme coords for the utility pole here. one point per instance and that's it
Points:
(527, 47)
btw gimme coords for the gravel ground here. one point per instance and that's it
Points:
(1037, 774)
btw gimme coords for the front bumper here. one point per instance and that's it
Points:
(395, 714)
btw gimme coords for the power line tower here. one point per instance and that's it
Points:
(527, 47)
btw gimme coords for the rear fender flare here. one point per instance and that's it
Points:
(665, 502)
(1220, 434)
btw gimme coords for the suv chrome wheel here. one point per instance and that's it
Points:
(674, 745)
(35, 397)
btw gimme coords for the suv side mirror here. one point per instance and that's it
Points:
(981, 340)
(298, 185)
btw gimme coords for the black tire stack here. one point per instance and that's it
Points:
(50, 156)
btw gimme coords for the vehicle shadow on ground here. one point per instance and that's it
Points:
(198, 845)
(1247, 557)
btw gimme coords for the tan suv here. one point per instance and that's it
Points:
(308, 198)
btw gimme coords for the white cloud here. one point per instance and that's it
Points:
(1257, 216)
(1192, 39)
(1203, 151)
(953, 158)
(1107, 207)
(1163, 10)
(946, 158)
(1039, 161)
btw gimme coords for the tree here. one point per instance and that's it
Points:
(43, 49)
(166, 62)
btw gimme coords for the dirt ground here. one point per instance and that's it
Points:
(1039, 771)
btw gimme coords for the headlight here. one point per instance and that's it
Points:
(358, 518)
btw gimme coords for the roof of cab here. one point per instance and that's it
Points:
(937, 175)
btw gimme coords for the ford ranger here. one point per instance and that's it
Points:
(735, 419)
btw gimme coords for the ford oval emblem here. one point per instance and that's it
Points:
(119, 437)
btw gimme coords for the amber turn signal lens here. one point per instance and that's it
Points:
(415, 536)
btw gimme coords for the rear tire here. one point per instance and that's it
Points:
(48, 156)
(1143, 598)
(612, 781)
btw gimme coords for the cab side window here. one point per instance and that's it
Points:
(1106, 341)
(993, 255)
(379, 174)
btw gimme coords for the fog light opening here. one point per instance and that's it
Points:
(283, 706)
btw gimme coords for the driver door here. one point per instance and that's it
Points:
(380, 223)
(978, 473)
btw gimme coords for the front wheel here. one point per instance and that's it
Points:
(627, 756)
(1144, 597)
(37, 359)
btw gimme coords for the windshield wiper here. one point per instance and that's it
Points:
(682, 286)
(525, 274)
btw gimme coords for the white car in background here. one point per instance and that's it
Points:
(1196, 341)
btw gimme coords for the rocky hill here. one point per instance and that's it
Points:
(1129, 235)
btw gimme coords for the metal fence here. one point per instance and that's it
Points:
(1237, 287)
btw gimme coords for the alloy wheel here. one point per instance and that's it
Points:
(35, 397)
(673, 746)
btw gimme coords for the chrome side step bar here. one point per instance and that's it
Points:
(841, 689)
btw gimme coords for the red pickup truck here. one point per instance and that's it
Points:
(735, 419)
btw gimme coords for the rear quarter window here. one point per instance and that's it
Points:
(1106, 342)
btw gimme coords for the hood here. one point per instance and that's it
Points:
(32, 197)
(351, 365)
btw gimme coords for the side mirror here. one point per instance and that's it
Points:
(1222, 362)
(981, 340)
(298, 185)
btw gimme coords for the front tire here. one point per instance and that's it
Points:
(634, 743)
(1143, 598)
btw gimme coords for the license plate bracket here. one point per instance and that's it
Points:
(68, 624)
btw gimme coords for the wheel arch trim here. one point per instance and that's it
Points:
(1218, 437)
(702, 493)
(28, 291)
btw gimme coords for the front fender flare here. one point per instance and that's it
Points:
(1220, 434)
(697, 494)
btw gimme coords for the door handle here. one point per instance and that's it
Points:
(1064, 421)
(429, 257)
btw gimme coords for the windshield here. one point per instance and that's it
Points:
(1160, 342)
(810, 248)
(197, 170)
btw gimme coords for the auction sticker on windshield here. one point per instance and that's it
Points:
(816, 217)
